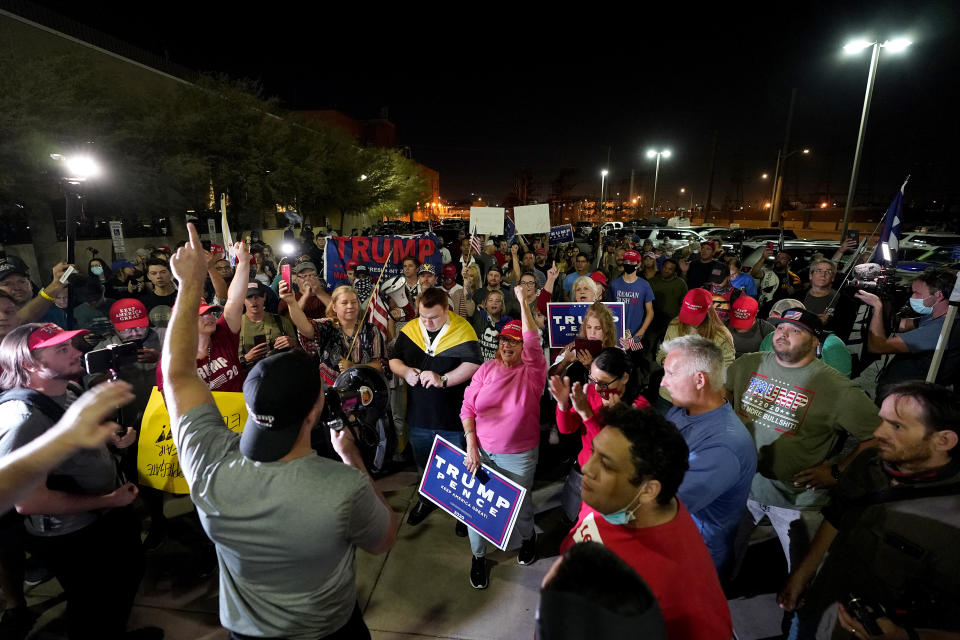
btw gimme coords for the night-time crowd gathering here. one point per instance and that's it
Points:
(698, 396)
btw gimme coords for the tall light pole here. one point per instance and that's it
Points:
(603, 177)
(894, 46)
(778, 182)
(653, 153)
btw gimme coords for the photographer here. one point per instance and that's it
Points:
(262, 332)
(285, 532)
(890, 529)
(918, 338)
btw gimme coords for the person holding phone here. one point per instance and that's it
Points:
(501, 424)
(263, 333)
(597, 332)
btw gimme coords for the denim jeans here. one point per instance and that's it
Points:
(519, 467)
(421, 439)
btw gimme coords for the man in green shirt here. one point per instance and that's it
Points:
(668, 291)
(278, 331)
(804, 417)
(832, 350)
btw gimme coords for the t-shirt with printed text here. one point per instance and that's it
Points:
(798, 417)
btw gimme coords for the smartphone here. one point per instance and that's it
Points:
(770, 245)
(285, 276)
(593, 347)
(258, 340)
(854, 234)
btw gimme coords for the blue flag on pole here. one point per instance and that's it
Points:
(509, 230)
(891, 228)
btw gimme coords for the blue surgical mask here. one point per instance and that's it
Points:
(918, 307)
(623, 516)
(97, 271)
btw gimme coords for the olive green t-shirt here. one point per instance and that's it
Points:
(797, 416)
(272, 326)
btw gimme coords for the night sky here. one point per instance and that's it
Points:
(499, 89)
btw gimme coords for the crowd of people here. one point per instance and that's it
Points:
(728, 397)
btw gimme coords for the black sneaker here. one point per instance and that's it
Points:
(528, 551)
(478, 573)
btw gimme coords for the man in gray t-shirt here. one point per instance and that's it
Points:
(285, 522)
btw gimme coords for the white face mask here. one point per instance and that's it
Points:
(918, 307)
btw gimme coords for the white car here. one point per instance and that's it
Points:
(674, 238)
(922, 240)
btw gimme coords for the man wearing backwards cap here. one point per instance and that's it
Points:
(77, 521)
(799, 412)
(285, 521)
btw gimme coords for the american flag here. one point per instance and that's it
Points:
(378, 311)
(631, 344)
(475, 246)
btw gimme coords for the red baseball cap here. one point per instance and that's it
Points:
(353, 264)
(50, 335)
(631, 256)
(204, 308)
(541, 251)
(599, 278)
(128, 314)
(743, 311)
(450, 269)
(695, 306)
(513, 330)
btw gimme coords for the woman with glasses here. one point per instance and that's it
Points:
(578, 410)
(501, 422)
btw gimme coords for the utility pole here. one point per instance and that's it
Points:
(781, 161)
(713, 160)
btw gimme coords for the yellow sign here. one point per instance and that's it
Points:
(158, 465)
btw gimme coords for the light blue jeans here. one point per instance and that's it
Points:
(519, 467)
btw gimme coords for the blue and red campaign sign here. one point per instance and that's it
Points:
(373, 251)
(564, 320)
(487, 502)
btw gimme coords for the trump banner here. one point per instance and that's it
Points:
(487, 502)
(158, 464)
(565, 318)
(561, 234)
(373, 251)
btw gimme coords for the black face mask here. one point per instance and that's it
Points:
(629, 268)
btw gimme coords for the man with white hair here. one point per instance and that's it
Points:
(722, 455)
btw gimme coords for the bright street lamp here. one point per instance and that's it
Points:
(894, 46)
(603, 177)
(653, 153)
(778, 180)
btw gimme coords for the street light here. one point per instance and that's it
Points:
(653, 153)
(603, 177)
(684, 190)
(894, 46)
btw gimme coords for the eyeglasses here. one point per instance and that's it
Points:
(824, 271)
(602, 386)
(527, 283)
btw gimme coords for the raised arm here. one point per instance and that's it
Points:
(183, 389)
(219, 284)
(299, 318)
(34, 309)
(236, 294)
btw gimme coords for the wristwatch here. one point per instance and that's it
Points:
(443, 381)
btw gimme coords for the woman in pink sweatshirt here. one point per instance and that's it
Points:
(501, 422)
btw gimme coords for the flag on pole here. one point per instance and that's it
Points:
(474, 243)
(225, 226)
(378, 311)
(891, 228)
(509, 230)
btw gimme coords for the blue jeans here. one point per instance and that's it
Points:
(519, 467)
(421, 439)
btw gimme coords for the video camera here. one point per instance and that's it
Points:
(112, 357)
(359, 400)
(880, 280)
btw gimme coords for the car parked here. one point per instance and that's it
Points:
(672, 237)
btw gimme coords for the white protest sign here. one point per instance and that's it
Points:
(488, 220)
(534, 218)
